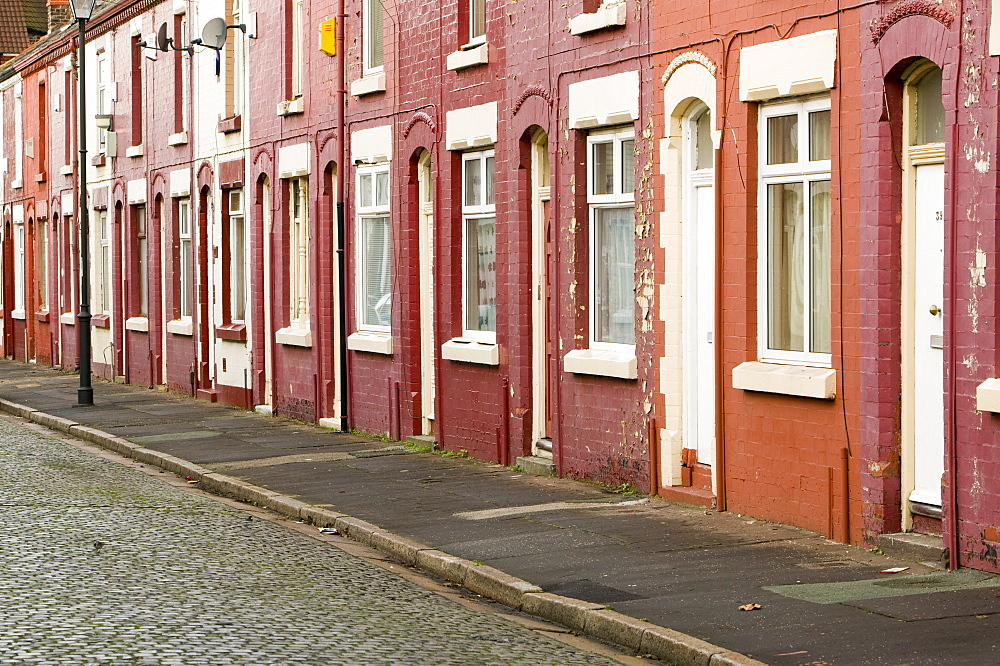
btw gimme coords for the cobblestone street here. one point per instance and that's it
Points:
(107, 565)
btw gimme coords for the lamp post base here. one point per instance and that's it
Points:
(85, 396)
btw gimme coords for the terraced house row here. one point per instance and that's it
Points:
(739, 254)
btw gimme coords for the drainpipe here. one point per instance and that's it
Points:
(951, 444)
(342, 173)
(717, 337)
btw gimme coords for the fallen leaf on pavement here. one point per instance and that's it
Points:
(749, 607)
(894, 570)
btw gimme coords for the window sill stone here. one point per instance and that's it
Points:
(180, 327)
(607, 16)
(367, 85)
(140, 324)
(293, 337)
(602, 362)
(801, 380)
(370, 341)
(468, 57)
(470, 351)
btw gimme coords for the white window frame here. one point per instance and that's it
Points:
(238, 258)
(298, 49)
(186, 271)
(485, 209)
(141, 229)
(366, 19)
(298, 256)
(42, 260)
(369, 175)
(101, 100)
(19, 239)
(105, 259)
(476, 7)
(806, 172)
(595, 202)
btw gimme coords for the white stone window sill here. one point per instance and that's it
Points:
(366, 85)
(470, 351)
(137, 324)
(16, 184)
(602, 362)
(291, 107)
(66, 170)
(134, 151)
(988, 396)
(67, 318)
(801, 380)
(607, 16)
(178, 139)
(17, 314)
(180, 327)
(372, 342)
(468, 56)
(294, 336)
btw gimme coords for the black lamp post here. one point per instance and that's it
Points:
(82, 10)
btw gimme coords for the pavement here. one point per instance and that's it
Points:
(655, 577)
(104, 562)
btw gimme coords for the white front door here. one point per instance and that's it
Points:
(928, 335)
(699, 319)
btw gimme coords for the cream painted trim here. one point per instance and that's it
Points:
(293, 161)
(801, 380)
(470, 351)
(17, 314)
(67, 318)
(369, 341)
(372, 145)
(607, 100)
(136, 191)
(932, 153)
(66, 170)
(290, 107)
(180, 327)
(994, 36)
(177, 139)
(795, 66)
(988, 396)
(137, 324)
(607, 15)
(602, 362)
(471, 127)
(180, 183)
(293, 336)
(132, 151)
(479, 55)
(332, 424)
(366, 85)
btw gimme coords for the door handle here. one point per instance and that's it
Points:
(935, 310)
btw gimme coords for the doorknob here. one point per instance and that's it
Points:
(935, 310)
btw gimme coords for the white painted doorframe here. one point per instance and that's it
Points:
(425, 230)
(540, 196)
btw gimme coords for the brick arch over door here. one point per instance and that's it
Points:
(902, 43)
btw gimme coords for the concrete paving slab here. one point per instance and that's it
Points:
(940, 605)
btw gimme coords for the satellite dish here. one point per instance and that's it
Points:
(213, 35)
(162, 41)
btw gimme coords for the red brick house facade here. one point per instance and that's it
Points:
(596, 236)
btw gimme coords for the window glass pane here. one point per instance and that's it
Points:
(185, 278)
(382, 188)
(235, 201)
(473, 183)
(489, 182)
(704, 153)
(477, 18)
(480, 275)
(819, 135)
(375, 18)
(614, 275)
(237, 264)
(365, 190)
(930, 109)
(783, 139)
(603, 173)
(819, 266)
(375, 245)
(628, 166)
(786, 272)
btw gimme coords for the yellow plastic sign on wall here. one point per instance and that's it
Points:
(328, 36)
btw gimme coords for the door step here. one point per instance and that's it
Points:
(537, 465)
(423, 440)
(924, 548)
